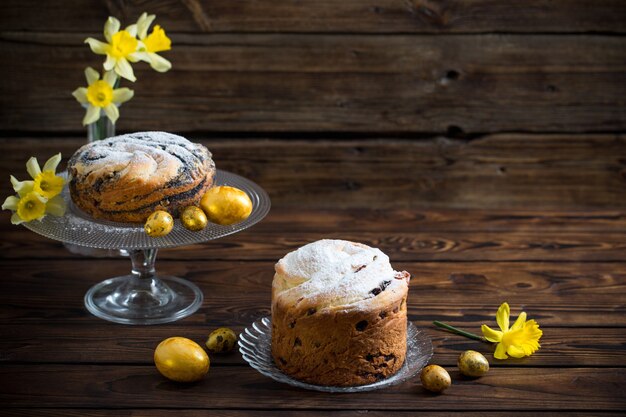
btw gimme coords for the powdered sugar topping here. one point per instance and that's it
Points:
(153, 151)
(337, 272)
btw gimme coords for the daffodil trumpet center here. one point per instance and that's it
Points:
(31, 207)
(100, 93)
(511, 337)
(48, 185)
(157, 41)
(122, 44)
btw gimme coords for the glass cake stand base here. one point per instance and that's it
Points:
(143, 297)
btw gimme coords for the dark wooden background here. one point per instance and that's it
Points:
(480, 143)
(474, 103)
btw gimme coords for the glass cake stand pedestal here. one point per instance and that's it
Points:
(144, 297)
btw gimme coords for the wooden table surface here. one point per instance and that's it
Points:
(564, 266)
(479, 143)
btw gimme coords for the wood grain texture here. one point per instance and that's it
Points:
(559, 294)
(533, 245)
(379, 16)
(94, 342)
(390, 122)
(510, 171)
(135, 387)
(342, 83)
(66, 412)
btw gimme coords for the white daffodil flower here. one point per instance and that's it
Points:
(100, 95)
(149, 45)
(121, 47)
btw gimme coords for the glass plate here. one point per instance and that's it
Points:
(79, 228)
(255, 345)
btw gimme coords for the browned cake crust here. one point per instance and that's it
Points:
(327, 342)
(340, 349)
(126, 178)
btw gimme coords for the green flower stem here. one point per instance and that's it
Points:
(459, 331)
(101, 128)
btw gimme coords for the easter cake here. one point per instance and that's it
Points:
(128, 177)
(338, 314)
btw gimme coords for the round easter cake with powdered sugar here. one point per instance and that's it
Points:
(338, 314)
(126, 178)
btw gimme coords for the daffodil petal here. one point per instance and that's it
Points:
(16, 219)
(97, 47)
(22, 187)
(134, 57)
(111, 27)
(10, 203)
(109, 64)
(80, 94)
(142, 56)
(91, 115)
(490, 334)
(32, 166)
(110, 77)
(502, 317)
(91, 75)
(143, 24)
(56, 206)
(124, 70)
(112, 112)
(132, 29)
(515, 351)
(500, 352)
(122, 95)
(52, 163)
(519, 323)
(158, 63)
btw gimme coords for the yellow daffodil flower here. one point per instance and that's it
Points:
(519, 340)
(45, 181)
(31, 206)
(121, 47)
(39, 196)
(100, 95)
(157, 41)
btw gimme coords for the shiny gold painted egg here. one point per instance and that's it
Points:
(181, 360)
(193, 218)
(226, 205)
(472, 363)
(159, 224)
(435, 378)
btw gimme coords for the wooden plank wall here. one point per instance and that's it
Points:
(465, 103)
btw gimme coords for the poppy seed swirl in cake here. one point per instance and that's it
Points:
(126, 178)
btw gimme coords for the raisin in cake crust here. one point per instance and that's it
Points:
(126, 178)
(338, 314)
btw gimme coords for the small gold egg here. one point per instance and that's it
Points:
(435, 378)
(181, 360)
(159, 224)
(221, 340)
(226, 205)
(472, 363)
(193, 218)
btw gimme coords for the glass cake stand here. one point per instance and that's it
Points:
(143, 297)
